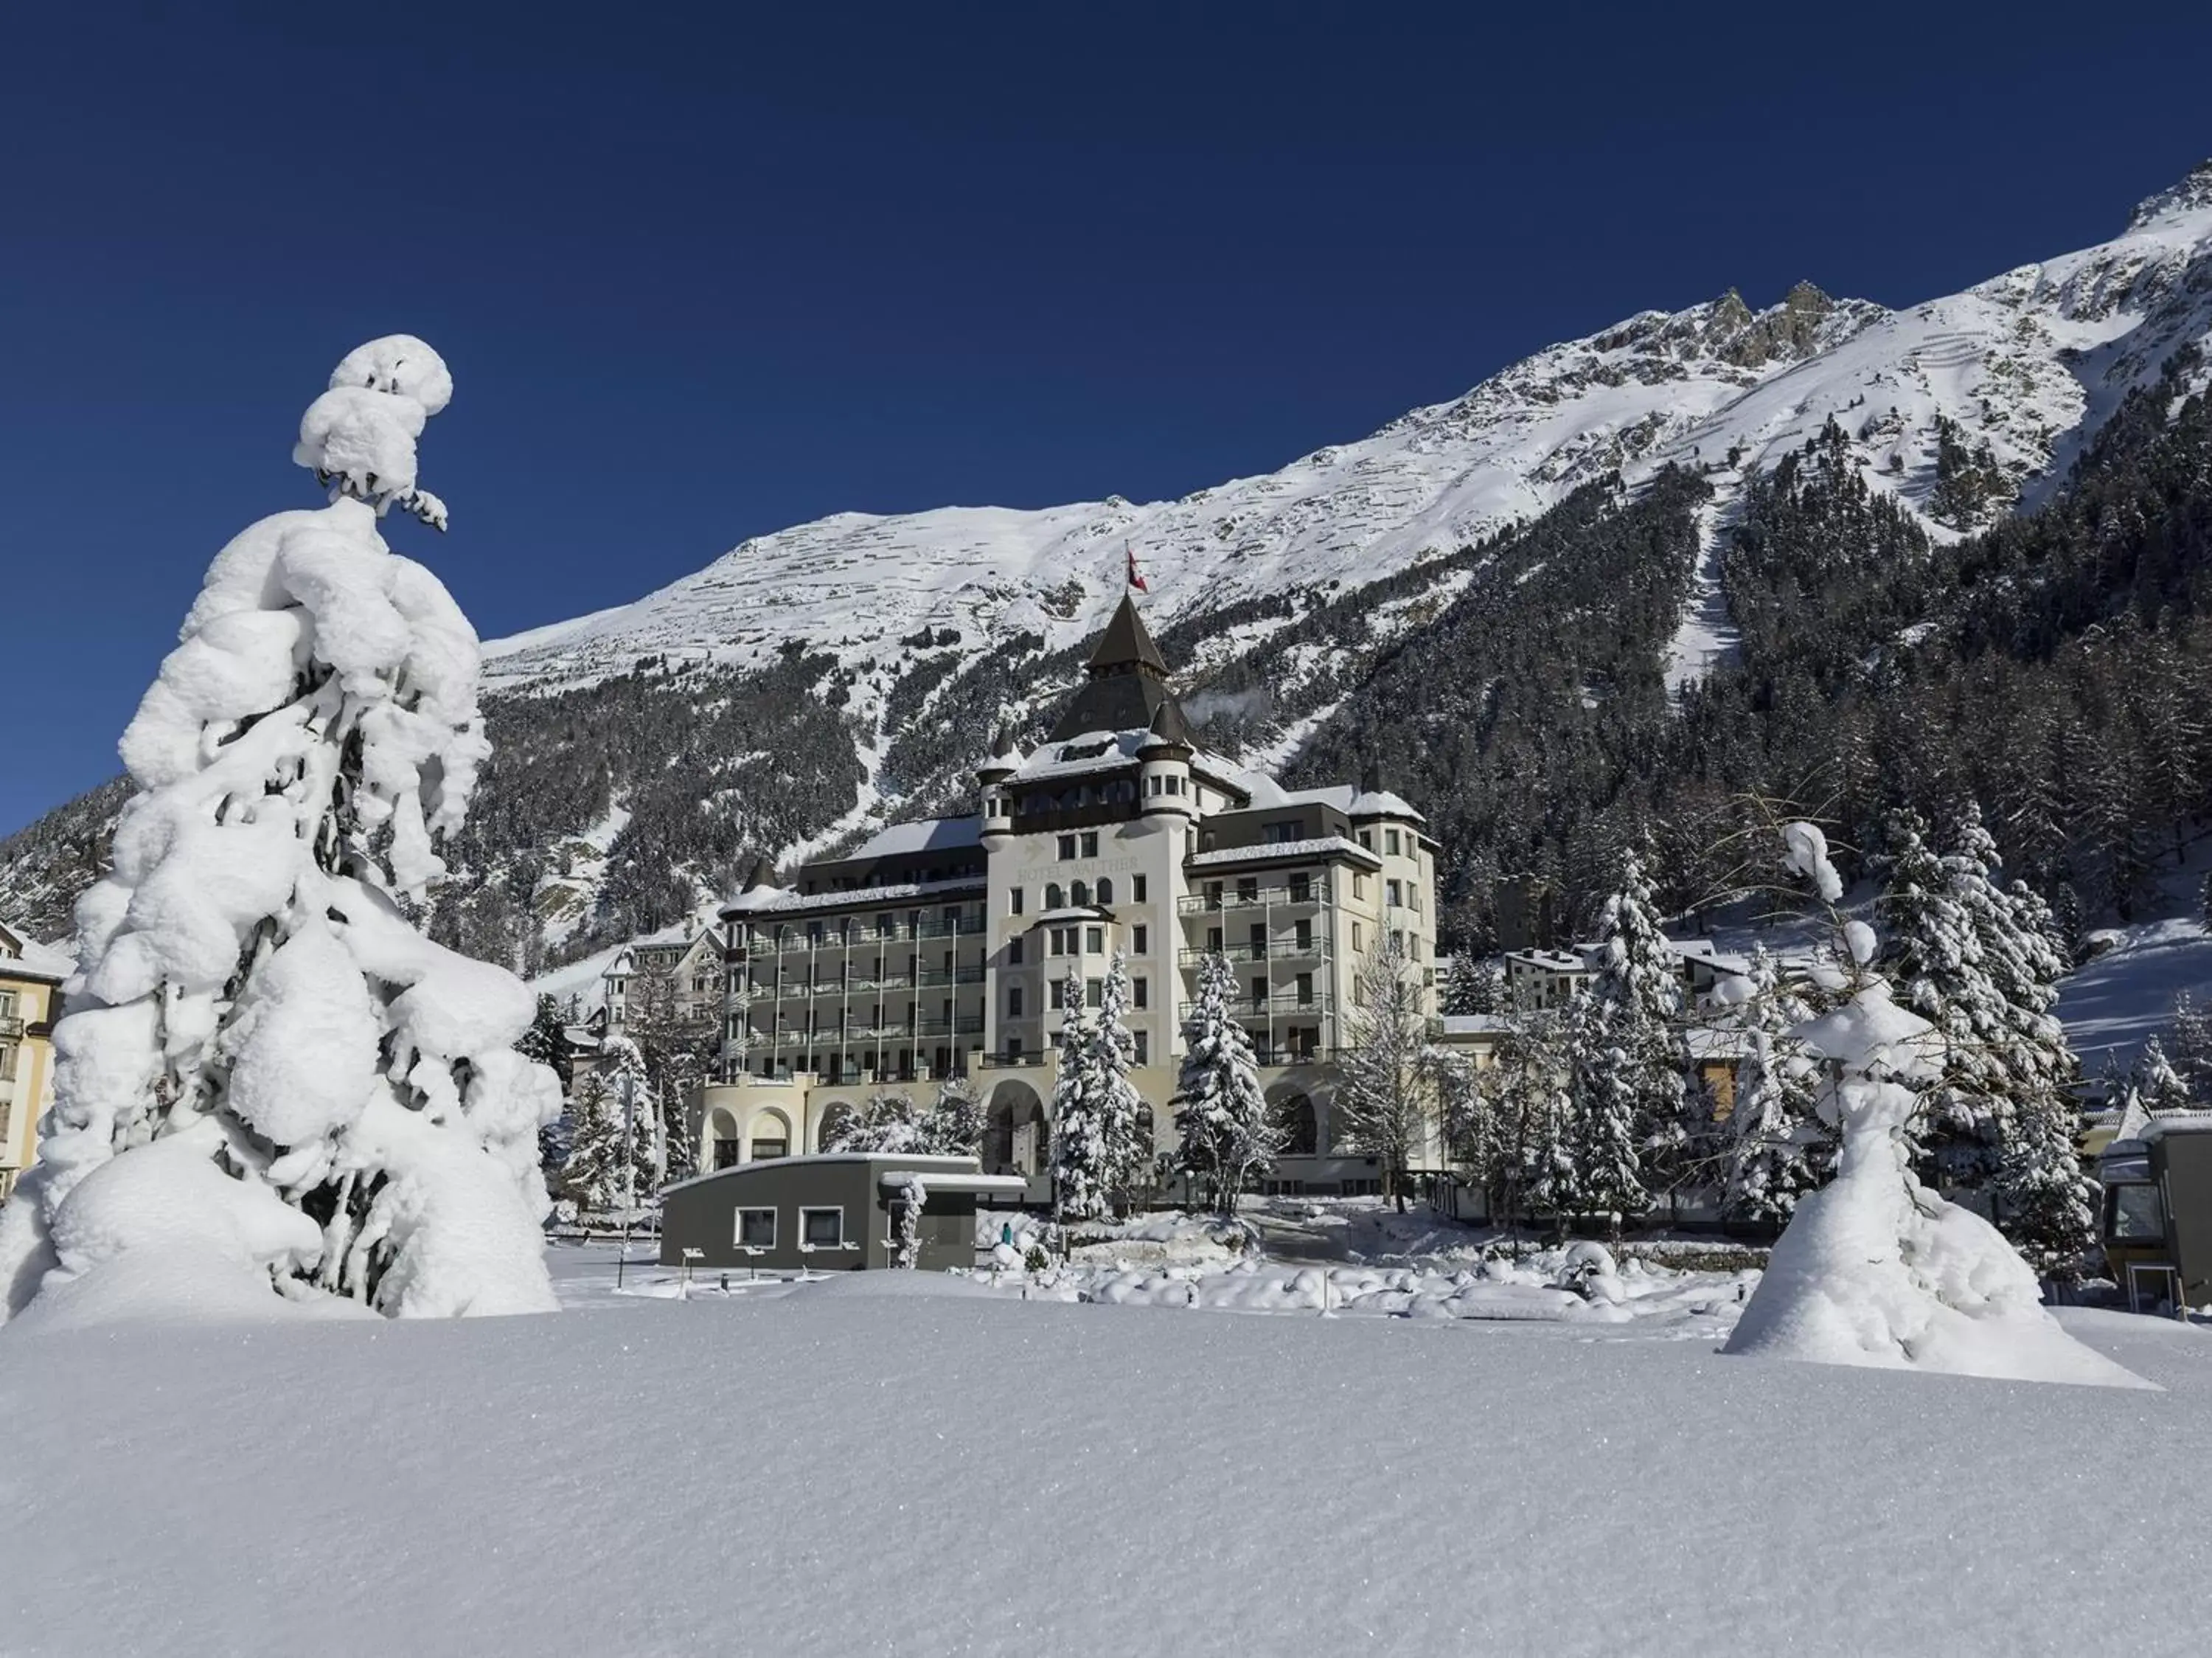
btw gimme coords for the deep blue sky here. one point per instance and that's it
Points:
(702, 272)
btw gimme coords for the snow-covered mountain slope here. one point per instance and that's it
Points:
(2022, 367)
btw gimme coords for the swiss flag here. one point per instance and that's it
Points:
(1135, 580)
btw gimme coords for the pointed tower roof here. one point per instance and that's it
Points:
(760, 892)
(1169, 728)
(1127, 680)
(1127, 644)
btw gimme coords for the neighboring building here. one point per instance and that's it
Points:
(30, 1002)
(947, 947)
(691, 955)
(827, 1214)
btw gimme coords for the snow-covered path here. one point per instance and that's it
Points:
(904, 1463)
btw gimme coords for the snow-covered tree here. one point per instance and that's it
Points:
(1932, 954)
(2156, 1082)
(1874, 1269)
(1383, 1102)
(675, 1047)
(1474, 984)
(1096, 1155)
(1777, 1149)
(267, 1076)
(954, 1126)
(1221, 1115)
(546, 1041)
(888, 1123)
(1631, 1098)
(2189, 1042)
(1598, 1160)
(609, 1164)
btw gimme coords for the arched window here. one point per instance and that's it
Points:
(1079, 894)
(1053, 898)
(1105, 889)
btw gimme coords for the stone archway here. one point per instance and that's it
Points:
(723, 1147)
(768, 1135)
(1017, 1138)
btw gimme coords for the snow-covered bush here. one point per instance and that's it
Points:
(913, 1194)
(1874, 1269)
(256, 1014)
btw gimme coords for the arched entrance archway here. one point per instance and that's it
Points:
(838, 1117)
(1293, 1115)
(723, 1148)
(768, 1135)
(1016, 1139)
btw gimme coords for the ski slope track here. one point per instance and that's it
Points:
(2030, 362)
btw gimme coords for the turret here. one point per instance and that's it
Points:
(991, 778)
(1165, 783)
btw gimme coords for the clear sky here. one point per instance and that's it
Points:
(705, 272)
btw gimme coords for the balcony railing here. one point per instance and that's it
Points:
(1280, 897)
(1266, 1056)
(1024, 1061)
(1282, 1001)
(1275, 949)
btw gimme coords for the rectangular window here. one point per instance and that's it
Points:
(1393, 894)
(1067, 848)
(1213, 939)
(1390, 842)
(1257, 937)
(1248, 889)
(1259, 992)
(1143, 1046)
(1367, 839)
(1140, 941)
(1301, 889)
(1094, 992)
(1013, 1001)
(1136, 889)
(1357, 939)
(1014, 901)
(1152, 785)
(755, 1227)
(1014, 1049)
(1282, 834)
(1175, 783)
(822, 1228)
(1139, 993)
(1305, 989)
(1094, 941)
(1056, 995)
(1090, 843)
(1305, 932)
(1013, 953)
(1359, 887)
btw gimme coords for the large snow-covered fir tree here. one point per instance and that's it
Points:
(1777, 1147)
(1381, 1105)
(954, 1126)
(267, 1078)
(1096, 1157)
(1474, 985)
(609, 1168)
(1599, 1163)
(1632, 1067)
(1225, 1137)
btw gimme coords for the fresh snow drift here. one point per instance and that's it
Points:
(268, 1083)
(1874, 1269)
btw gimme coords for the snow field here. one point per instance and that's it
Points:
(906, 1463)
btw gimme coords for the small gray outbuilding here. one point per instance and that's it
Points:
(832, 1212)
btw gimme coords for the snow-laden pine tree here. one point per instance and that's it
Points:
(267, 1078)
(2189, 1044)
(954, 1126)
(1778, 1148)
(1096, 1157)
(1383, 1105)
(1874, 1269)
(1607, 1122)
(913, 1195)
(1474, 985)
(888, 1123)
(610, 1165)
(1225, 1138)
(2156, 1082)
(1632, 1051)
(1932, 955)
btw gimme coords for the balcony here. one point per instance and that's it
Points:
(1279, 949)
(1281, 1002)
(1024, 1061)
(1280, 897)
(1279, 1057)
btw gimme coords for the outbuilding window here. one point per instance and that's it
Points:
(755, 1228)
(822, 1228)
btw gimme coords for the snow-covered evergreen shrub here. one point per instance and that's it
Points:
(906, 1241)
(1778, 1148)
(1222, 1124)
(257, 1026)
(1631, 1092)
